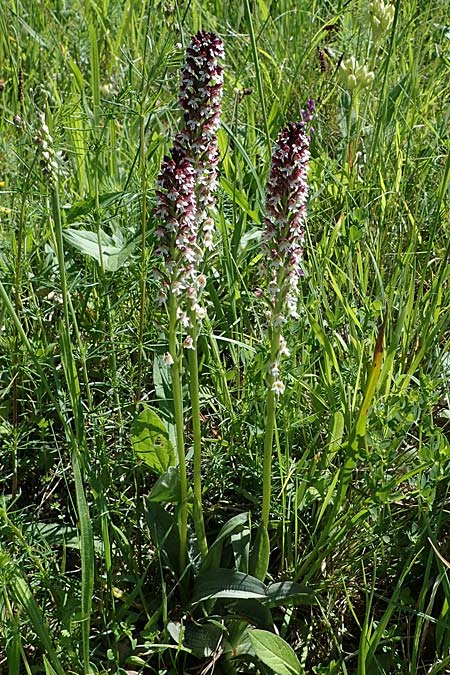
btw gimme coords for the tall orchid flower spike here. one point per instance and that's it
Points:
(201, 98)
(282, 247)
(185, 208)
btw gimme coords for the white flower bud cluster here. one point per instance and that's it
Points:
(381, 16)
(355, 76)
(44, 142)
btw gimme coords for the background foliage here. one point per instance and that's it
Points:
(106, 76)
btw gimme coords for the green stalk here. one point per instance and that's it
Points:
(259, 84)
(143, 279)
(57, 232)
(260, 555)
(270, 426)
(179, 425)
(196, 428)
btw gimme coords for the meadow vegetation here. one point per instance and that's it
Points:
(176, 498)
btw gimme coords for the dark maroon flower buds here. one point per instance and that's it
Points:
(201, 98)
(188, 179)
(202, 83)
(286, 196)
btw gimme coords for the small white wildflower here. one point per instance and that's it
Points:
(183, 318)
(188, 343)
(284, 351)
(381, 16)
(274, 370)
(354, 75)
(278, 387)
(167, 358)
(201, 281)
(200, 311)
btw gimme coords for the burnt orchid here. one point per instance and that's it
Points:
(184, 211)
(283, 235)
(281, 266)
(176, 247)
(201, 98)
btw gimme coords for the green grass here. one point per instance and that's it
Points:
(83, 587)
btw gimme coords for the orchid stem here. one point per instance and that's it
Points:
(270, 426)
(196, 428)
(179, 424)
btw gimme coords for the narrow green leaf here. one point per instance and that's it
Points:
(372, 382)
(235, 524)
(275, 653)
(25, 598)
(151, 442)
(48, 669)
(165, 535)
(239, 198)
(225, 583)
(287, 593)
(13, 650)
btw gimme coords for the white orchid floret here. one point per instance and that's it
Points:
(201, 281)
(168, 359)
(200, 312)
(183, 318)
(188, 342)
(274, 369)
(284, 351)
(278, 387)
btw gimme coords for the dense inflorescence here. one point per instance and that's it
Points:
(44, 142)
(188, 179)
(201, 98)
(286, 196)
(283, 235)
(176, 234)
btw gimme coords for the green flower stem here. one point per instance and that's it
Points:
(195, 403)
(143, 277)
(179, 424)
(270, 425)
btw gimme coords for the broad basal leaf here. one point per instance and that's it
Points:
(166, 490)
(111, 255)
(201, 639)
(275, 653)
(150, 441)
